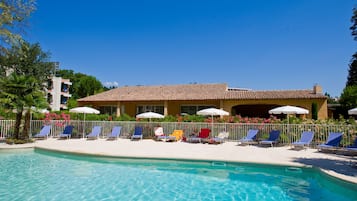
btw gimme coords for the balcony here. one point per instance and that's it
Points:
(66, 94)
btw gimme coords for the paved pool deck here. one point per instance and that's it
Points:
(340, 166)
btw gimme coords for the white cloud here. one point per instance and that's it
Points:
(111, 84)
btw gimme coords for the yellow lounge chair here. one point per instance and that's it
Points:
(176, 135)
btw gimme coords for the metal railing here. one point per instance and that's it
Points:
(289, 132)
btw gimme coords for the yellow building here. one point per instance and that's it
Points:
(189, 98)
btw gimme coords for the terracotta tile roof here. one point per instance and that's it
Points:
(164, 92)
(276, 94)
(194, 92)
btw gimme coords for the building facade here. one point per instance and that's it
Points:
(58, 93)
(188, 99)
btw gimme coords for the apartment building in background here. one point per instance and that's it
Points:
(58, 93)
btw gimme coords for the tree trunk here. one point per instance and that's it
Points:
(17, 124)
(26, 130)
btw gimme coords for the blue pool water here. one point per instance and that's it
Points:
(42, 175)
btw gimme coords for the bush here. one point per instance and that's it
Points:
(18, 141)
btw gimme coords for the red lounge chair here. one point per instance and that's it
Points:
(203, 134)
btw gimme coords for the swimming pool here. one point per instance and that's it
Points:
(29, 174)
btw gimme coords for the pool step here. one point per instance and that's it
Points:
(293, 169)
(218, 164)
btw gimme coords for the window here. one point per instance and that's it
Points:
(192, 109)
(64, 87)
(150, 108)
(110, 110)
(64, 100)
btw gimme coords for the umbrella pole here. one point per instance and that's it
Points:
(288, 124)
(84, 121)
(212, 124)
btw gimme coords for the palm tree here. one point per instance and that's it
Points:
(19, 93)
(23, 89)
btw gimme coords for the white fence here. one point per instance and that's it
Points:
(289, 132)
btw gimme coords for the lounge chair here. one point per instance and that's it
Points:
(116, 130)
(220, 138)
(67, 132)
(96, 130)
(273, 138)
(138, 133)
(203, 135)
(250, 138)
(351, 149)
(176, 135)
(305, 140)
(354, 145)
(44, 132)
(159, 133)
(333, 141)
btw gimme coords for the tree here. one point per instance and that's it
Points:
(24, 88)
(20, 93)
(82, 85)
(314, 112)
(89, 85)
(12, 18)
(349, 97)
(28, 59)
(353, 28)
(331, 100)
(352, 72)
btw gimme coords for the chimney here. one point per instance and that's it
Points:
(317, 89)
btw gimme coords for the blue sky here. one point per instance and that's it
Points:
(256, 44)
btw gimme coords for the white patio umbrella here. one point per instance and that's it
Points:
(150, 115)
(288, 110)
(84, 110)
(212, 112)
(352, 111)
(42, 111)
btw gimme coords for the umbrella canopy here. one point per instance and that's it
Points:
(212, 112)
(34, 109)
(150, 115)
(288, 110)
(42, 111)
(84, 110)
(352, 111)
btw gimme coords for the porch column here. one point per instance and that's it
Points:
(118, 109)
(221, 106)
(165, 108)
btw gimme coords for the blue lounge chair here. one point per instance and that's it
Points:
(44, 132)
(333, 141)
(273, 138)
(305, 140)
(250, 138)
(138, 133)
(67, 132)
(353, 147)
(350, 150)
(115, 133)
(96, 130)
